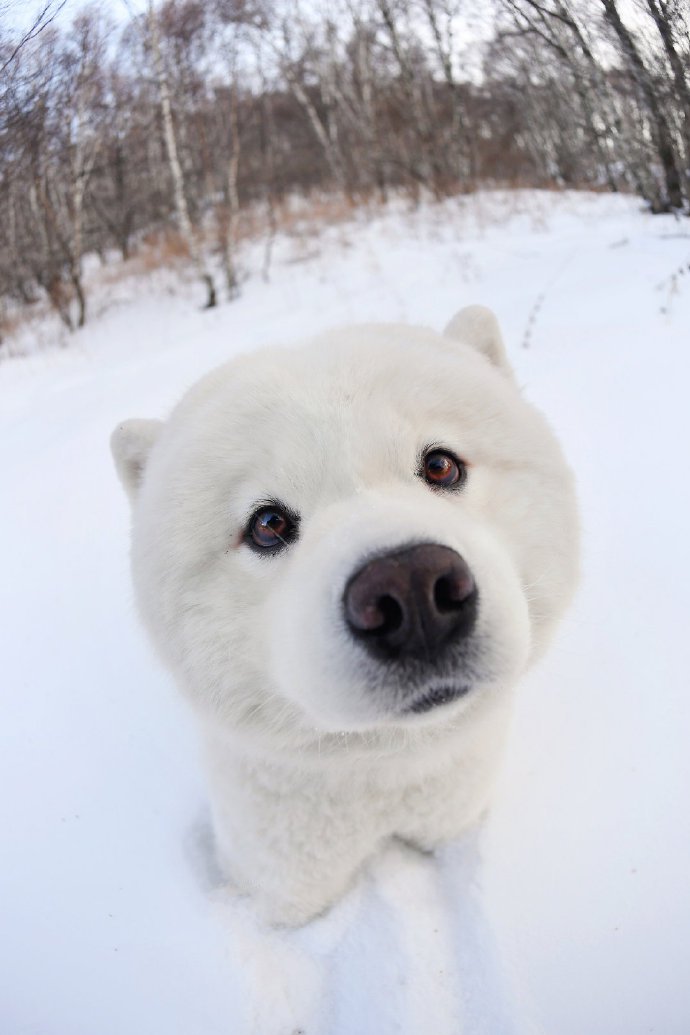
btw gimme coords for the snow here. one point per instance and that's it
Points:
(571, 914)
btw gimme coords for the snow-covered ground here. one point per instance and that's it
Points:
(576, 921)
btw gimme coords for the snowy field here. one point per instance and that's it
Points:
(572, 914)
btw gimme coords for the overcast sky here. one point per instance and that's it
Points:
(19, 15)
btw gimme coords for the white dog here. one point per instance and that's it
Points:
(348, 554)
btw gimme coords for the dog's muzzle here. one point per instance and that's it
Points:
(411, 605)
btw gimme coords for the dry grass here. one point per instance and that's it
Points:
(163, 248)
(301, 218)
(296, 216)
(10, 324)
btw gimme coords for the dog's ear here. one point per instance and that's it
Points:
(131, 442)
(476, 326)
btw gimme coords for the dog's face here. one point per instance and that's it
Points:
(373, 531)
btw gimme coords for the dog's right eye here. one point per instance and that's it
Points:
(270, 528)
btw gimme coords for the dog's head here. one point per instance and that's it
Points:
(375, 530)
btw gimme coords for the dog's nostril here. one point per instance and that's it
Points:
(391, 614)
(380, 614)
(452, 590)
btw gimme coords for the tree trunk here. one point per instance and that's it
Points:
(181, 208)
(679, 72)
(660, 128)
(461, 148)
(230, 242)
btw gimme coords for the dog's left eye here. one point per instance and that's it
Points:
(442, 469)
(270, 528)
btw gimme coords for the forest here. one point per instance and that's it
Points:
(187, 123)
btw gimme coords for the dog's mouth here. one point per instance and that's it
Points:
(434, 698)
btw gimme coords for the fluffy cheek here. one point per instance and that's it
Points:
(313, 660)
(535, 512)
(201, 599)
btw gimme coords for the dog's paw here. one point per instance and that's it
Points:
(278, 911)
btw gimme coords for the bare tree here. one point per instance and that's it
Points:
(164, 133)
(45, 17)
(442, 16)
(181, 207)
(667, 18)
(659, 125)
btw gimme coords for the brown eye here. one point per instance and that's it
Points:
(270, 528)
(443, 469)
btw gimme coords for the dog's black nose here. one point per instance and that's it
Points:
(411, 603)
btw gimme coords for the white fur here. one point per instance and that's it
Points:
(311, 766)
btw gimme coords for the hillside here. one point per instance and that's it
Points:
(572, 915)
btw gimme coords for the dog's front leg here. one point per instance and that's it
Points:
(293, 841)
(453, 799)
